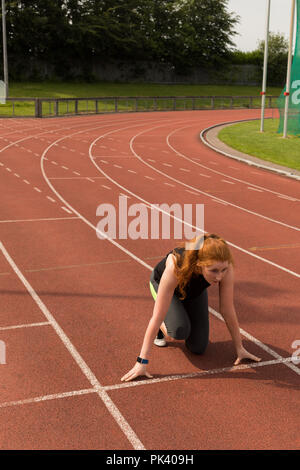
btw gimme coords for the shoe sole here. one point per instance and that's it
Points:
(160, 342)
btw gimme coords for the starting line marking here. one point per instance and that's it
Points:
(168, 378)
(199, 374)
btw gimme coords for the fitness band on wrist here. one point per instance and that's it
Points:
(142, 361)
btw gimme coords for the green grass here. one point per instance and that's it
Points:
(268, 145)
(105, 89)
(78, 90)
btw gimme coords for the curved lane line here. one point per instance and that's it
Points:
(147, 203)
(219, 172)
(207, 194)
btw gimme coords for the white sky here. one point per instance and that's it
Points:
(252, 24)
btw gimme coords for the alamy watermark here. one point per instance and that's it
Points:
(2, 92)
(2, 352)
(153, 221)
(296, 354)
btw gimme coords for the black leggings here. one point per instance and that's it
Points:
(187, 319)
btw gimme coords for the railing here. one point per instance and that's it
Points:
(58, 107)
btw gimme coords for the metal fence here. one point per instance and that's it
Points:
(58, 107)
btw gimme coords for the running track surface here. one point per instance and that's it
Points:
(74, 308)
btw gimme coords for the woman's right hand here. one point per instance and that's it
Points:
(138, 369)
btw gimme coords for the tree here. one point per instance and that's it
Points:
(207, 30)
(278, 48)
(68, 33)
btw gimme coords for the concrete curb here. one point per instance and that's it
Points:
(209, 138)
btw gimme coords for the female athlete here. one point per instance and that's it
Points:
(178, 285)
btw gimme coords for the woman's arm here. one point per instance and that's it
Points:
(227, 310)
(165, 292)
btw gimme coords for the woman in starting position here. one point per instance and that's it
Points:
(178, 285)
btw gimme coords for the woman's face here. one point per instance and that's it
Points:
(215, 272)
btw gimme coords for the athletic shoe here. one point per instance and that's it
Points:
(160, 340)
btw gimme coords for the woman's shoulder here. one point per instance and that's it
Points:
(170, 260)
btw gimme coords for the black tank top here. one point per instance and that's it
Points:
(196, 285)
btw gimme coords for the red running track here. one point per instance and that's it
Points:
(75, 307)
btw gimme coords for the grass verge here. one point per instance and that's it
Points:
(50, 89)
(268, 145)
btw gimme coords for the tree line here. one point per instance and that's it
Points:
(180, 33)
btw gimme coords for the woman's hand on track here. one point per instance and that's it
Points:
(136, 371)
(244, 354)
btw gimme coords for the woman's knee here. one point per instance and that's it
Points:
(181, 332)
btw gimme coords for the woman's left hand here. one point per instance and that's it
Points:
(244, 354)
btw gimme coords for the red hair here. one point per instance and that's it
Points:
(202, 251)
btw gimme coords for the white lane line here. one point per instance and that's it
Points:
(165, 164)
(106, 187)
(254, 189)
(50, 199)
(16, 174)
(25, 181)
(76, 173)
(39, 220)
(184, 169)
(169, 184)
(228, 182)
(76, 178)
(256, 214)
(215, 171)
(258, 342)
(111, 156)
(287, 198)
(220, 202)
(168, 378)
(8, 169)
(67, 210)
(65, 167)
(54, 163)
(265, 260)
(47, 397)
(132, 171)
(90, 179)
(112, 408)
(206, 176)
(191, 192)
(118, 166)
(149, 178)
(37, 189)
(26, 325)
